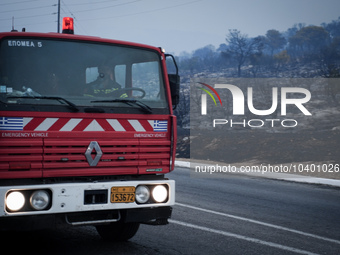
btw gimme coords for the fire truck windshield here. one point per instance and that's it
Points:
(59, 75)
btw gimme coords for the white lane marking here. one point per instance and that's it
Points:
(249, 239)
(260, 223)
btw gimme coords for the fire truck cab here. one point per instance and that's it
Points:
(87, 133)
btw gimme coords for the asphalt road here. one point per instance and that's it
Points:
(231, 215)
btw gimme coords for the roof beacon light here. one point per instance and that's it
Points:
(68, 25)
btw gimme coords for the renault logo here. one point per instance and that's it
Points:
(93, 146)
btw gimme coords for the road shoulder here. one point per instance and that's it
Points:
(211, 169)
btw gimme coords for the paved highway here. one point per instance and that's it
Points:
(231, 215)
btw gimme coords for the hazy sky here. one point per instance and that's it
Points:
(176, 25)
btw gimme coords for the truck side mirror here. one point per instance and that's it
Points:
(174, 81)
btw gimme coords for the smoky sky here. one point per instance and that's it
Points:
(176, 25)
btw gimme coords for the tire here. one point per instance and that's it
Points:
(118, 231)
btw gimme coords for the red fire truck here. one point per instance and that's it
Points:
(87, 132)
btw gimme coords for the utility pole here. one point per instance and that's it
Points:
(58, 16)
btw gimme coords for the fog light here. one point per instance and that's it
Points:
(142, 194)
(159, 193)
(40, 199)
(15, 201)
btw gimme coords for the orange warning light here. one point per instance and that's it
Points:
(68, 25)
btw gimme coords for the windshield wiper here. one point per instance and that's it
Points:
(131, 102)
(60, 99)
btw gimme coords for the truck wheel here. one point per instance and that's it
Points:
(118, 231)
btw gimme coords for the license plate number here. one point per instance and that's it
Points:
(123, 194)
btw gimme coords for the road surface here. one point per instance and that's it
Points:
(231, 215)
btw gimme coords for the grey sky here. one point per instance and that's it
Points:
(176, 25)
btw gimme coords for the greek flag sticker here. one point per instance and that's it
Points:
(160, 126)
(11, 123)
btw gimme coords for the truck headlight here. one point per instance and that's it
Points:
(15, 201)
(142, 194)
(40, 199)
(159, 193)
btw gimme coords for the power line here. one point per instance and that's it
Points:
(27, 1)
(143, 12)
(94, 9)
(78, 26)
(161, 9)
(96, 2)
(32, 16)
(67, 9)
(28, 24)
(106, 7)
(32, 8)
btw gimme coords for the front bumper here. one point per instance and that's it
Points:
(151, 216)
(70, 197)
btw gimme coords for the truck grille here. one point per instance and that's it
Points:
(67, 157)
(36, 158)
(21, 158)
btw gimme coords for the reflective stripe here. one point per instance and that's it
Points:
(26, 121)
(46, 124)
(71, 124)
(116, 125)
(137, 126)
(78, 124)
(94, 126)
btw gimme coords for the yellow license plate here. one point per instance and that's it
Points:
(123, 194)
